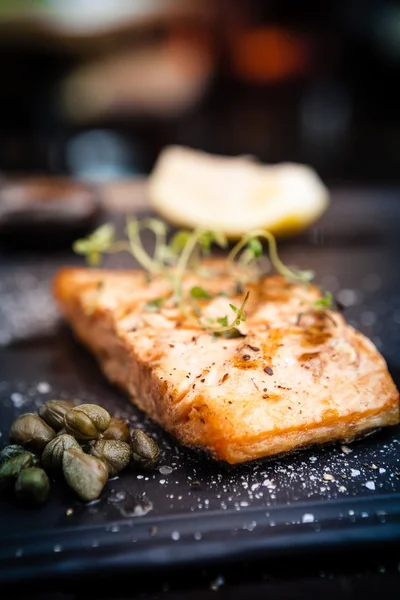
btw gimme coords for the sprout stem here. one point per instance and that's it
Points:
(183, 261)
(239, 316)
(291, 275)
(149, 264)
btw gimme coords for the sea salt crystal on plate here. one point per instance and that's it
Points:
(307, 518)
(17, 399)
(165, 470)
(43, 387)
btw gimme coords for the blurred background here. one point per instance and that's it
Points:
(96, 88)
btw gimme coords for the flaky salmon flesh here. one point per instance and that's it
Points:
(285, 384)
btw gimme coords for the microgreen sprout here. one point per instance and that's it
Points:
(183, 253)
(199, 292)
(322, 305)
(160, 230)
(226, 325)
(133, 230)
(199, 238)
(154, 305)
(250, 245)
(95, 244)
(102, 241)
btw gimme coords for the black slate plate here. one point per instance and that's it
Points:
(193, 510)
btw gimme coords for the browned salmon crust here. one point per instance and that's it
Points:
(283, 386)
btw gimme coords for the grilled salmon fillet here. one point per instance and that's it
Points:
(283, 385)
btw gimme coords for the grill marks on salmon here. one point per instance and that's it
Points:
(282, 386)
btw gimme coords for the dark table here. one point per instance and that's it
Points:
(354, 249)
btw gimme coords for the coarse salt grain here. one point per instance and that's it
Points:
(17, 399)
(349, 297)
(307, 518)
(43, 387)
(165, 470)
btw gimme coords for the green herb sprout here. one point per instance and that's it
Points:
(322, 305)
(251, 248)
(182, 254)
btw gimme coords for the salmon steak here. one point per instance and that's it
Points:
(291, 377)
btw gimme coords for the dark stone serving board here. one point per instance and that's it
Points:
(192, 509)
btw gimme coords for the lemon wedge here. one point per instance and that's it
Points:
(193, 189)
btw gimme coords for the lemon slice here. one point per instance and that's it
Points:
(234, 195)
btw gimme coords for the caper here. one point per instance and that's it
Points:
(145, 451)
(32, 486)
(31, 431)
(62, 431)
(11, 468)
(117, 430)
(115, 455)
(10, 451)
(53, 453)
(53, 412)
(16, 450)
(86, 475)
(87, 421)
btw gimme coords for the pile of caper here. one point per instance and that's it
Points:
(83, 444)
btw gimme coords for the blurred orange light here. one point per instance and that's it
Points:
(269, 54)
